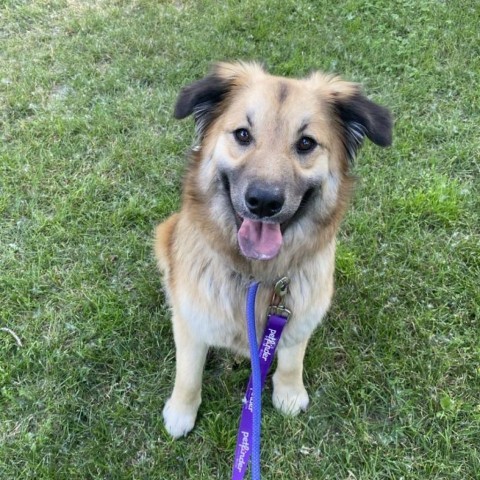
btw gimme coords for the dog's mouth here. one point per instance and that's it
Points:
(262, 240)
(259, 240)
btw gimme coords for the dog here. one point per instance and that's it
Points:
(265, 190)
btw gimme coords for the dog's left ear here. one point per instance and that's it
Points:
(360, 118)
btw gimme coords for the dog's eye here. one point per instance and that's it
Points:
(242, 135)
(305, 145)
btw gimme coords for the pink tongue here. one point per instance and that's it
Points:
(258, 240)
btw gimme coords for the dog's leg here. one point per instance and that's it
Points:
(289, 394)
(180, 411)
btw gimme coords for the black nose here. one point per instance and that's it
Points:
(264, 200)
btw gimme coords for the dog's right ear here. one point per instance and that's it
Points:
(205, 97)
(201, 99)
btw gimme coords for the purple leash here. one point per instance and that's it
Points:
(256, 381)
(249, 430)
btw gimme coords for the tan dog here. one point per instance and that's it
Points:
(263, 197)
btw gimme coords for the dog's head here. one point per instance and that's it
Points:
(274, 151)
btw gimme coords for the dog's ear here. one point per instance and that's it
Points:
(360, 118)
(201, 99)
(205, 97)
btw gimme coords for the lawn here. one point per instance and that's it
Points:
(91, 159)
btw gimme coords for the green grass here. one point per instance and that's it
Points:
(91, 160)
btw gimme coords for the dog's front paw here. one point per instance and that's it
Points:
(289, 400)
(179, 419)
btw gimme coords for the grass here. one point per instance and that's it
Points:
(91, 160)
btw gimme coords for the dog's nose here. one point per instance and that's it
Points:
(264, 200)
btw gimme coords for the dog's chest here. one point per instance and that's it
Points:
(213, 305)
(214, 309)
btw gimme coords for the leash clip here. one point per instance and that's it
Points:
(277, 307)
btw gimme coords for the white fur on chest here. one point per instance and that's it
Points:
(211, 299)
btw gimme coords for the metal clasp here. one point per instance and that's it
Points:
(277, 307)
